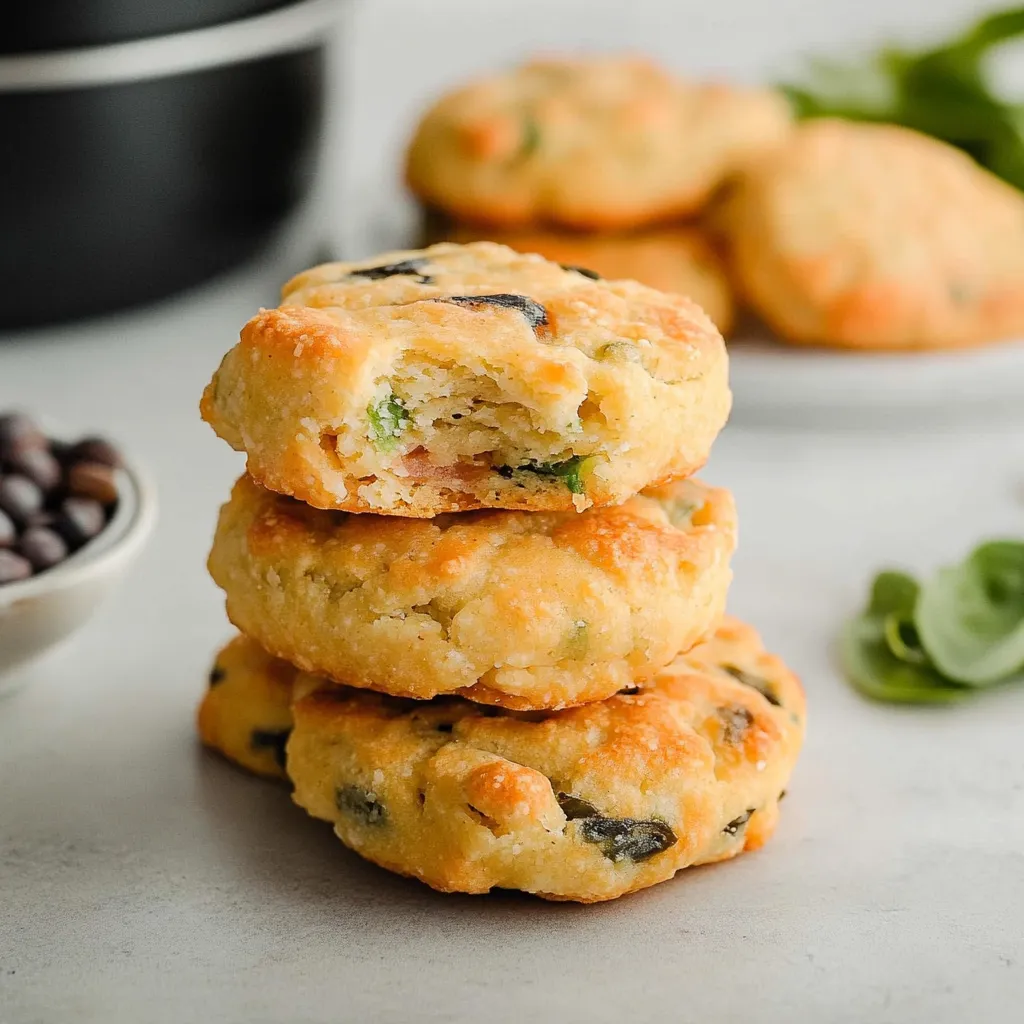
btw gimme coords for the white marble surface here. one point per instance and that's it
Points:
(142, 880)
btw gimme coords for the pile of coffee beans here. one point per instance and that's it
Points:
(55, 496)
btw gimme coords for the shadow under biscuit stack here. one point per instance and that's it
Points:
(465, 641)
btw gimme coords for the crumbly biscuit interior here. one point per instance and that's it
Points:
(443, 424)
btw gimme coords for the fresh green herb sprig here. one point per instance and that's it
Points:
(943, 91)
(937, 641)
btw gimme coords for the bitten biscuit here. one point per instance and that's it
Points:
(593, 143)
(463, 377)
(524, 610)
(585, 804)
(672, 259)
(878, 237)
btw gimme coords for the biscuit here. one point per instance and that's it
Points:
(593, 143)
(462, 377)
(524, 610)
(672, 259)
(246, 710)
(877, 237)
(584, 804)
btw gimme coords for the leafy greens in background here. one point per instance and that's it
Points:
(936, 642)
(942, 92)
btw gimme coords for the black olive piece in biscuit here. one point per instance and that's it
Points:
(461, 377)
(672, 258)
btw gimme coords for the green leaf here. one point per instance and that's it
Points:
(943, 91)
(893, 593)
(970, 617)
(893, 596)
(995, 28)
(873, 669)
(388, 418)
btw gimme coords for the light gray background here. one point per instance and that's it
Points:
(142, 880)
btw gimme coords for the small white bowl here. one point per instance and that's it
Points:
(37, 613)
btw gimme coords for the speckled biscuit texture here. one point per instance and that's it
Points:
(676, 258)
(595, 143)
(463, 377)
(877, 237)
(246, 710)
(523, 610)
(583, 804)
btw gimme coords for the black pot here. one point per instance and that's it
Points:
(135, 169)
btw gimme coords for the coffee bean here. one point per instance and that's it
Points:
(19, 497)
(80, 520)
(95, 449)
(13, 567)
(7, 530)
(35, 463)
(18, 429)
(93, 480)
(42, 547)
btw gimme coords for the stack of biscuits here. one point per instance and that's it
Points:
(604, 161)
(480, 595)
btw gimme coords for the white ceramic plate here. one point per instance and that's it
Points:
(783, 384)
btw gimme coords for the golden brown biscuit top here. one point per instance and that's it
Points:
(506, 302)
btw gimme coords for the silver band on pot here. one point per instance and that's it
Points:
(280, 31)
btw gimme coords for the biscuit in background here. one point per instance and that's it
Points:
(594, 143)
(876, 237)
